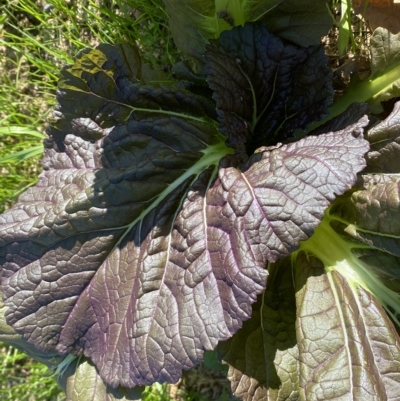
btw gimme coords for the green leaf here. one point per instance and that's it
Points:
(301, 22)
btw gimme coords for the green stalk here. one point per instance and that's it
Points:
(344, 27)
(364, 91)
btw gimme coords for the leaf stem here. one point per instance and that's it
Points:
(363, 92)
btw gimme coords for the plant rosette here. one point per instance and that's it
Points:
(166, 222)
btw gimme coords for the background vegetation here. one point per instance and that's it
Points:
(36, 40)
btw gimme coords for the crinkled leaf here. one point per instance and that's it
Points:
(356, 347)
(194, 23)
(314, 336)
(298, 180)
(265, 88)
(385, 54)
(93, 239)
(348, 347)
(82, 382)
(366, 227)
(9, 336)
(263, 355)
(134, 248)
(365, 223)
(372, 212)
(375, 212)
(104, 85)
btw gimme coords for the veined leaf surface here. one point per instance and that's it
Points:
(325, 320)
(143, 243)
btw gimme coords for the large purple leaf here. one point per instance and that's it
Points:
(135, 248)
(358, 346)
(314, 335)
(348, 346)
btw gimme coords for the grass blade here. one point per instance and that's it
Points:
(15, 130)
(22, 155)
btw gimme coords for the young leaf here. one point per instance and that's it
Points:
(142, 245)
(265, 88)
(194, 23)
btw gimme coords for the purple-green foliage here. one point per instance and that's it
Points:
(160, 217)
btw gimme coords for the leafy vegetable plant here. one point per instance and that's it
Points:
(170, 220)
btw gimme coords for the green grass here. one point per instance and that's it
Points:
(22, 379)
(349, 36)
(18, 144)
(156, 392)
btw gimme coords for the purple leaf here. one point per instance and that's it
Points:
(136, 248)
